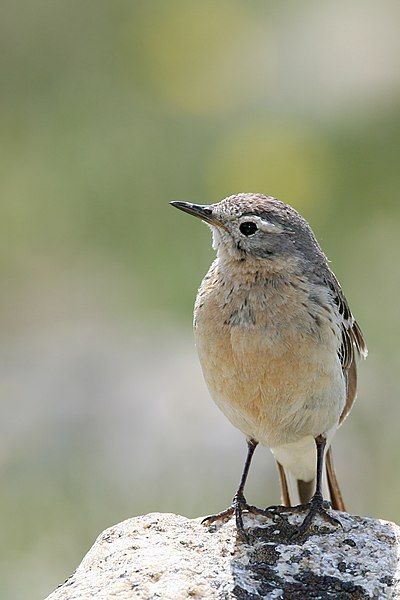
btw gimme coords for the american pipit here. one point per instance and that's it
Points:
(277, 343)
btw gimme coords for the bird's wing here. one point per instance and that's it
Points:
(352, 346)
(353, 343)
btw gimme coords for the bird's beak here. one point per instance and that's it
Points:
(204, 213)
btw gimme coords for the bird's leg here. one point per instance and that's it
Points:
(239, 501)
(317, 505)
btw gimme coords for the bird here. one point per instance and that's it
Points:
(278, 346)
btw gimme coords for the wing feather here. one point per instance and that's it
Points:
(353, 344)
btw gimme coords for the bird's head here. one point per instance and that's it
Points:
(255, 227)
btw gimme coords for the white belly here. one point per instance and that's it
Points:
(300, 458)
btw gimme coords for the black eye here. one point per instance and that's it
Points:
(248, 228)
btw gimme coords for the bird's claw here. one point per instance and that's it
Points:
(239, 504)
(317, 506)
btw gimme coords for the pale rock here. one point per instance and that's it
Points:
(169, 557)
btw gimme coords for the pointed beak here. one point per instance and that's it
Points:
(204, 213)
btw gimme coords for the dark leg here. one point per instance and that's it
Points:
(251, 446)
(239, 502)
(317, 506)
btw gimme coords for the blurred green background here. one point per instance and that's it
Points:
(109, 110)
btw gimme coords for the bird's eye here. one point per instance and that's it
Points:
(248, 228)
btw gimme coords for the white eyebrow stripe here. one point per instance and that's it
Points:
(262, 224)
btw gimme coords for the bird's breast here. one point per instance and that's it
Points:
(269, 357)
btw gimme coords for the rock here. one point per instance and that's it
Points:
(174, 558)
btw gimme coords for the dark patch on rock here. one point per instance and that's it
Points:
(242, 594)
(349, 542)
(262, 568)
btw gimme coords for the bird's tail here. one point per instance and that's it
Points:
(333, 485)
(295, 491)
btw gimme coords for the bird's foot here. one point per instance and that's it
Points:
(317, 506)
(239, 505)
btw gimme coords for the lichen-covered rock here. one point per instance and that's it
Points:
(173, 558)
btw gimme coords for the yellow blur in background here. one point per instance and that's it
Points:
(108, 111)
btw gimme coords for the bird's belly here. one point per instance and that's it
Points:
(275, 390)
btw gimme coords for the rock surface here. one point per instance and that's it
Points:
(173, 558)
